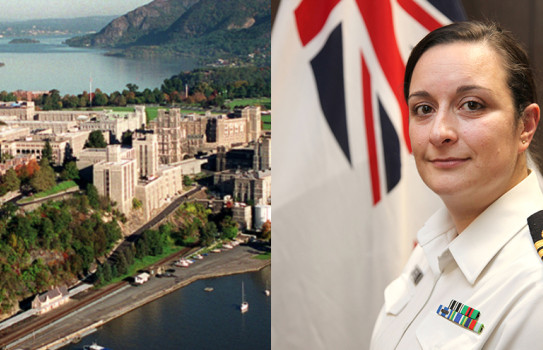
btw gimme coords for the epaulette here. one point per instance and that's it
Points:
(535, 223)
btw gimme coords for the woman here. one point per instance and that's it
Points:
(474, 280)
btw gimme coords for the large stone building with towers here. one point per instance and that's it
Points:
(182, 136)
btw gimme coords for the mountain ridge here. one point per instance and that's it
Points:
(198, 28)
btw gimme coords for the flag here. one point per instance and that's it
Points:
(348, 200)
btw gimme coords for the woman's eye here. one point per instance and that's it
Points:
(423, 110)
(472, 105)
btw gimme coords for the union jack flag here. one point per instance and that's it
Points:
(348, 200)
(311, 16)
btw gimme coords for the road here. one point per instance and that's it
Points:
(128, 297)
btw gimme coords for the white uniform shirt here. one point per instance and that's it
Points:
(492, 267)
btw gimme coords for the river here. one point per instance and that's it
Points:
(50, 64)
(191, 318)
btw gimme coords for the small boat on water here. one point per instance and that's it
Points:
(244, 307)
(94, 346)
(208, 289)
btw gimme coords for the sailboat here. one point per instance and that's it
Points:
(267, 290)
(244, 304)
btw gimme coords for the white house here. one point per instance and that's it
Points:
(51, 299)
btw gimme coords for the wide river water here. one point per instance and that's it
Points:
(50, 64)
(191, 318)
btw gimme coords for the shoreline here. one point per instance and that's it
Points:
(238, 262)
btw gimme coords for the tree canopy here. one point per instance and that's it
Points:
(96, 140)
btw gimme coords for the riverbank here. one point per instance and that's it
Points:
(128, 297)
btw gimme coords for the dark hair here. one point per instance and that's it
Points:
(520, 78)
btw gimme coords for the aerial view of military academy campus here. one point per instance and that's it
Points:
(144, 172)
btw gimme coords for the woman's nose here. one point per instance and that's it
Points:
(443, 129)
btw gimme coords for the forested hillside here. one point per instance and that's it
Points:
(197, 28)
(52, 245)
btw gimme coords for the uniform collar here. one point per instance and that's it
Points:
(434, 238)
(485, 236)
(498, 224)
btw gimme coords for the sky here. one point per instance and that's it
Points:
(15, 10)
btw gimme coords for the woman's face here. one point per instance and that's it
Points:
(465, 140)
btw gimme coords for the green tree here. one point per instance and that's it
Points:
(52, 101)
(68, 154)
(70, 171)
(266, 230)
(229, 227)
(136, 203)
(100, 99)
(209, 233)
(10, 180)
(92, 195)
(107, 272)
(96, 140)
(47, 233)
(142, 250)
(154, 242)
(132, 87)
(121, 264)
(187, 181)
(47, 152)
(5, 156)
(70, 101)
(44, 178)
(113, 232)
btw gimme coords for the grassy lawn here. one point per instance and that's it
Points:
(152, 112)
(56, 189)
(264, 101)
(113, 108)
(263, 256)
(140, 264)
(266, 122)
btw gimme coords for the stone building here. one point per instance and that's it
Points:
(56, 127)
(242, 214)
(253, 186)
(253, 116)
(126, 174)
(23, 110)
(76, 140)
(146, 146)
(116, 123)
(10, 133)
(34, 145)
(50, 300)
(245, 186)
(167, 126)
(229, 131)
(194, 128)
(153, 192)
(179, 136)
(78, 116)
(262, 155)
(115, 177)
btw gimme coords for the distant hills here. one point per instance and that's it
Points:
(73, 26)
(209, 29)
